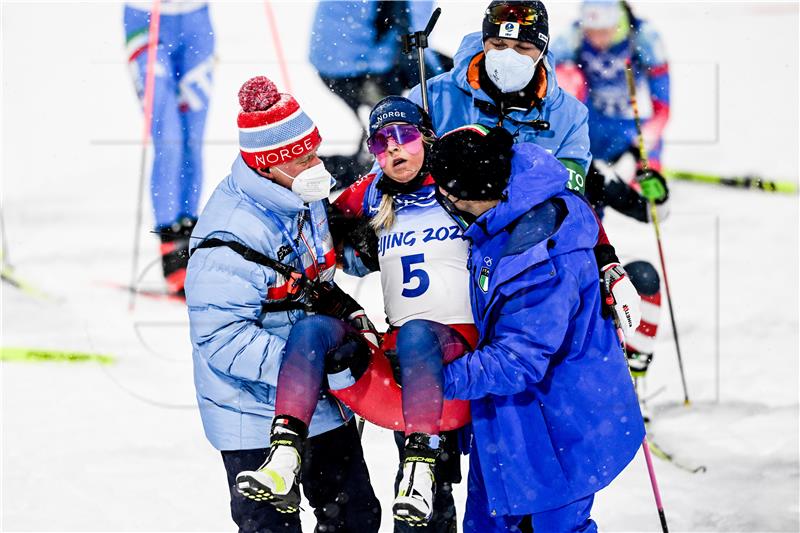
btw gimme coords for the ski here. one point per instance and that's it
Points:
(741, 182)
(659, 452)
(8, 276)
(155, 294)
(31, 355)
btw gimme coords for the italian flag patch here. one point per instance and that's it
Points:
(483, 279)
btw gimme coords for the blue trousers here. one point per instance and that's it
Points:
(183, 68)
(478, 518)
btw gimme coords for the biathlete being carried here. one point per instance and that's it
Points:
(422, 258)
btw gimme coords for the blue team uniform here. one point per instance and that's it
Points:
(554, 413)
(183, 69)
(612, 129)
(348, 41)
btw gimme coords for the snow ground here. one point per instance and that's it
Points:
(87, 447)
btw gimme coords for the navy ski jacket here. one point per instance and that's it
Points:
(555, 416)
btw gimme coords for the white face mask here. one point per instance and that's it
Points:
(509, 70)
(312, 184)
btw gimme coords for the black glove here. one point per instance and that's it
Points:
(353, 353)
(363, 239)
(327, 298)
(356, 233)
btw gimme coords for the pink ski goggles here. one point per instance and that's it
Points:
(405, 135)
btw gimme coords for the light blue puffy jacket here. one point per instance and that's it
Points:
(345, 40)
(237, 347)
(455, 102)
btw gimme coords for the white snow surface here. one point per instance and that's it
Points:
(87, 447)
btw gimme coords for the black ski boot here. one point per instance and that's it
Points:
(175, 253)
(277, 480)
(415, 495)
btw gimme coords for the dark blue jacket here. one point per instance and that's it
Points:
(554, 412)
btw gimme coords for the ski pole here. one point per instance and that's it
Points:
(276, 41)
(6, 262)
(651, 471)
(419, 40)
(741, 182)
(149, 89)
(654, 483)
(654, 218)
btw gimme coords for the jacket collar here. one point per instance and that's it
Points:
(268, 194)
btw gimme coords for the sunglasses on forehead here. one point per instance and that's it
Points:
(522, 15)
(401, 133)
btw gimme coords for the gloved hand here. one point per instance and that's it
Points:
(653, 186)
(365, 327)
(621, 298)
(327, 298)
(364, 240)
(352, 354)
(654, 189)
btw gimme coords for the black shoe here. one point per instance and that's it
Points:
(277, 480)
(417, 489)
(175, 253)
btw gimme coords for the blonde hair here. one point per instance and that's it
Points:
(385, 217)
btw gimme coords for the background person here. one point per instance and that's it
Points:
(356, 48)
(592, 61)
(504, 75)
(183, 76)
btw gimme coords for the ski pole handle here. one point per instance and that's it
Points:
(432, 21)
(419, 40)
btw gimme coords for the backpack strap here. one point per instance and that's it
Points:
(298, 279)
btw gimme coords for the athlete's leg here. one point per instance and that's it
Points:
(641, 343)
(315, 345)
(196, 62)
(166, 130)
(167, 136)
(422, 348)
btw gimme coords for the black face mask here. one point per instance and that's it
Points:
(461, 218)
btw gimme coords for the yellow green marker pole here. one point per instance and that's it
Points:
(37, 355)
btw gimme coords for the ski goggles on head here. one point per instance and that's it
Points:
(401, 133)
(522, 15)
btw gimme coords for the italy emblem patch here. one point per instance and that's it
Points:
(483, 279)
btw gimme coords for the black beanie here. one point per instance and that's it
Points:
(473, 162)
(537, 33)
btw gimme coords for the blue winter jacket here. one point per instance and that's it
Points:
(238, 348)
(345, 40)
(454, 102)
(554, 413)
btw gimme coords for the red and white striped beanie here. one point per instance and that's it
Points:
(272, 128)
